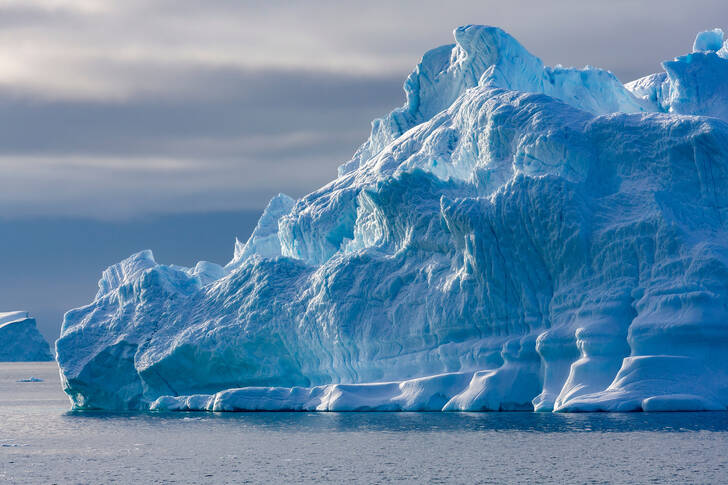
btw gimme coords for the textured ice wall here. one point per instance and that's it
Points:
(515, 236)
(20, 340)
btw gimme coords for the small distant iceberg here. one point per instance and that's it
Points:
(30, 379)
(20, 340)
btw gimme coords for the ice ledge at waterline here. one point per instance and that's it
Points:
(516, 236)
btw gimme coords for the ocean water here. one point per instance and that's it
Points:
(41, 441)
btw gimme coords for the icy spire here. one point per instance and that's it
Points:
(708, 40)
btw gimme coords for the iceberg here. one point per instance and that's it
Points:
(30, 379)
(514, 237)
(20, 340)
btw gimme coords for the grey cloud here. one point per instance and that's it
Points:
(106, 53)
(111, 188)
(229, 105)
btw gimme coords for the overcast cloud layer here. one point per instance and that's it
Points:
(121, 109)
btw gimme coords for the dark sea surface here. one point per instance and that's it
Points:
(41, 441)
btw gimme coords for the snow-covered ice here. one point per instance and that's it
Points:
(515, 237)
(20, 339)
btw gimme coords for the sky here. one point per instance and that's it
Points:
(170, 124)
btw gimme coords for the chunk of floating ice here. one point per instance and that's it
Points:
(30, 379)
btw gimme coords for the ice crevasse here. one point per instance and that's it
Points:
(514, 237)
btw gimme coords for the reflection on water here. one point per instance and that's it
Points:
(428, 422)
(42, 442)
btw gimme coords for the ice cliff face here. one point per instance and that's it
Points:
(515, 236)
(20, 340)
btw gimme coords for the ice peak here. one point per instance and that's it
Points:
(445, 72)
(121, 273)
(485, 57)
(264, 240)
(484, 43)
(490, 46)
(708, 40)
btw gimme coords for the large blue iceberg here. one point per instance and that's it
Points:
(515, 237)
(20, 340)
